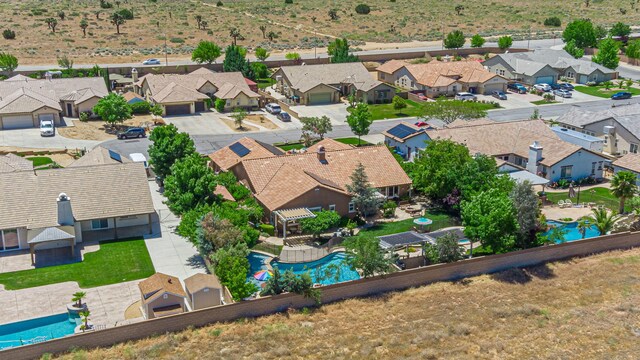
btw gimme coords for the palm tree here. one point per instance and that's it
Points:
(603, 220)
(264, 31)
(583, 225)
(84, 24)
(85, 318)
(198, 20)
(235, 34)
(77, 298)
(623, 186)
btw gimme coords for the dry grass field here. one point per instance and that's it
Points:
(298, 26)
(587, 308)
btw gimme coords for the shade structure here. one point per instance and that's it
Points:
(423, 221)
(263, 275)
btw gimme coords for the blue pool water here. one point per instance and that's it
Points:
(329, 270)
(572, 230)
(44, 328)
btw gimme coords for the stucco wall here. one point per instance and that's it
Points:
(204, 299)
(86, 106)
(582, 163)
(410, 146)
(161, 302)
(241, 100)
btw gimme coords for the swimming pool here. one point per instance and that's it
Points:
(572, 230)
(35, 330)
(328, 270)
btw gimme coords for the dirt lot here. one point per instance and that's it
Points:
(96, 129)
(298, 26)
(245, 126)
(584, 308)
(261, 120)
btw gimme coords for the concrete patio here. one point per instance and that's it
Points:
(21, 259)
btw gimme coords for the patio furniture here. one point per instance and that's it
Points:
(568, 203)
(561, 203)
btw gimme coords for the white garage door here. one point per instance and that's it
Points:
(490, 88)
(17, 122)
(46, 117)
(320, 98)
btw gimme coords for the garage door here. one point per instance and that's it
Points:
(320, 98)
(490, 88)
(178, 109)
(46, 117)
(545, 80)
(200, 106)
(17, 122)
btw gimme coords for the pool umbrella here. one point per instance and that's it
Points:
(572, 191)
(263, 275)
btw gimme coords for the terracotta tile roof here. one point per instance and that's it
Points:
(13, 162)
(96, 192)
(200, 281)
(225, 158)
(222, 191)
(99, 156)
(629, 161)
(440, 74)
(462, 123)
(329, 145)
(276, 180)
(130, 95)
(502, 138)
(392, 66)
(157, 284)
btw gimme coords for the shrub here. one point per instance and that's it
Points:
(9, 34)
(219, 105)
(141, 107)
(288, 1)
(552, 21)
(363, 9)
(267, 229)
(84, 116)
(177, 40)
(389, 209)
(105, 5)
(126, 13)
(398, 103)
(219, 3)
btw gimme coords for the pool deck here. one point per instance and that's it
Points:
(556, 213)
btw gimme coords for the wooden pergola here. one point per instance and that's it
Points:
(288, 215)
(50, 235)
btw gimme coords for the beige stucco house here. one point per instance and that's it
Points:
(161, 295)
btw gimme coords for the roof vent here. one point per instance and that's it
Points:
(63, 197)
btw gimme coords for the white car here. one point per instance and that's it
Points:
(139, 157)
(151, 62)
(465, 96)
(47, 128)
(542, 87)
(273, 108)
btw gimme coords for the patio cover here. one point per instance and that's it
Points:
(48, 235)
(294, 214)
(522, 175)
(403, 239)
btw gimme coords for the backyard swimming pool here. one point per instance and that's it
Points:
(35, 330)
(329, 270)
(572, 230)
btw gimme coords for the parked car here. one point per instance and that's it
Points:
(542, 87)
(562, 93)
(47, 128)
(284, 116)
(517, 88)
(422, 96)
(135, 132)
(151, 62)
(621, 95)
(420, 124)
(566, 86)
(273, 108)
(464, 96)
(499, 95)
(554, 86)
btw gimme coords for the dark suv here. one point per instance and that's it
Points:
(136, 132)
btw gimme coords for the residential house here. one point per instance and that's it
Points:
(100, 156)
(63, 207)
(161, 295)
(579, 138)
(12, 162)
(227, 158)
(547, 66)
(619, 126)
(326, 83)
(24, 101)
(629, 162)
(203, 291)
(406, 139)
(191, 93)
(132, 97)
(529, 144)
(438, 78)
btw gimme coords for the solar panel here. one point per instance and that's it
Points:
(239, 149)
(115, 156)
(401, 131)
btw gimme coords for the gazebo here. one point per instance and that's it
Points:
(287, 215)
(50, 235)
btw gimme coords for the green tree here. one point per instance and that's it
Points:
(365, 254)
(77, 298)
(272, 35)
(289, 282)
(316, 125)
(477, 41)
(445, 250)
(581, 32)
(234, 60)
(231, 266)
(526, 204)
(118, 20)
(451, 110)
(436, 169)
(168, 146)
(573, 50)
(51, 23)
(84, 24)
(261, 53)
(65, 63)
(363, 196)
(292, 56)
(206, 52)
(324, 220)
(238, 116)
(583, 225)
(505, 42)
(235, 35)
(454, 40)
(621, 30)
(398, 103)
(113, 108)
(633, 49)
(359, 120)
(215, 233)
(607, 55)
(491, 219)
(600, 32)
(333, 14)
(623, 186)
(603, 220)
(338, 51)
(8, 62)
(190, 184)
(260, 70)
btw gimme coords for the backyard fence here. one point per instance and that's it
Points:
(392, 282)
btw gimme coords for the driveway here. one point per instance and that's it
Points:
(30, 138)
(210, 123)
(336, 112)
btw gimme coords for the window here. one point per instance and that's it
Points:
(99, 224)
(332, 207)
(500, 72)
(570, 74)
(352, 207)
(633, 148)
(565, 171)
(205, 290)
(9, 239)
(593, 168)
(392, 191)
(315, 209)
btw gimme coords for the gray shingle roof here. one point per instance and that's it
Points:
(627, 116)
(529, 63)
(306, 77)
(12, 162)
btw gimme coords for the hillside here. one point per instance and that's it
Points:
(295, 25)
(585, 308)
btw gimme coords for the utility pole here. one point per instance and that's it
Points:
(166, 60)
(528, 36)
(315, 39)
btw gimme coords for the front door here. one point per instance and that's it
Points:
(69, 109)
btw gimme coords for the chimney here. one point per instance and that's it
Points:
(321, 155)
(535, 155)
(65, 215)
(134, 75)
(610, 140)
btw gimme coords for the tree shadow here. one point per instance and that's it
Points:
(196, 262)
(524, 275)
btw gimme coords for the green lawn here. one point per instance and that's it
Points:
(598, 195)
(601, 92)
(544, 102)
(440, 220)
(265, 83)
(40, 160)
(116, 261)
(386, 111)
